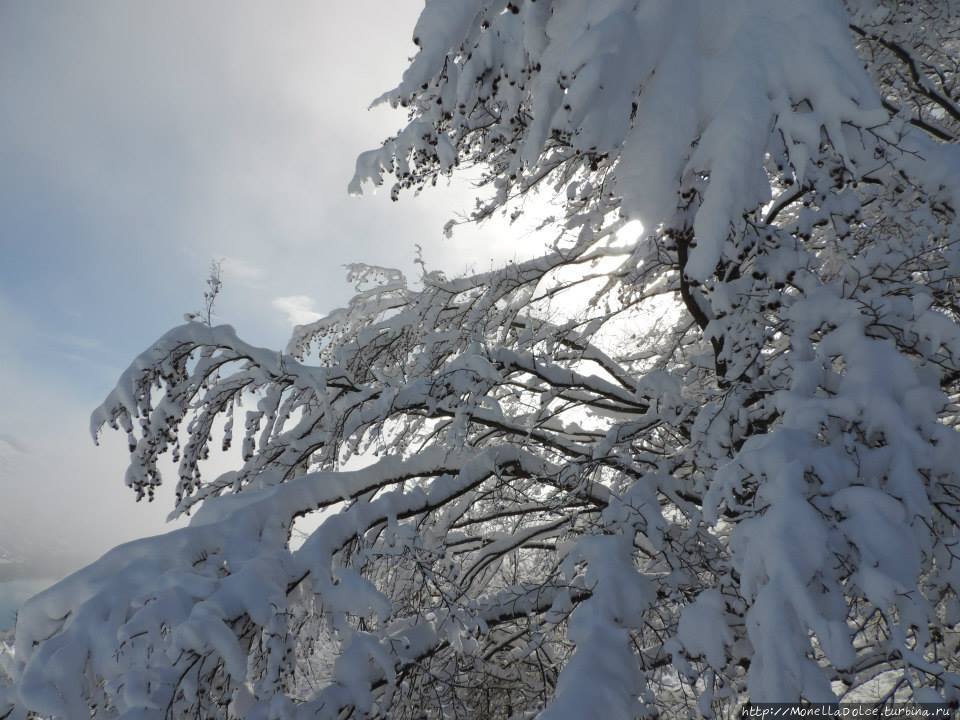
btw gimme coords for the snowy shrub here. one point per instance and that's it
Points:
(656, 471)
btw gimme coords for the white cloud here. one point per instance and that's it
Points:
(298, 308)
(78, 342)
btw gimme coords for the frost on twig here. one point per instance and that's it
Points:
(653, 472)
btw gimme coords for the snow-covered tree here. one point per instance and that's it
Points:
(659, 470)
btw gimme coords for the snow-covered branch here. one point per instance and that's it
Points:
(650, 472)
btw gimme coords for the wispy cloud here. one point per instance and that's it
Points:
(243, 271)
(11, 444)
(298, 309)
(77, 342)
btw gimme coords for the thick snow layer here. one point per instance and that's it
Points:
(579, 508)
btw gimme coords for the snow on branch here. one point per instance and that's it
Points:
(658, 472)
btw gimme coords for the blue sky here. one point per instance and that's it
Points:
(138, 141)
